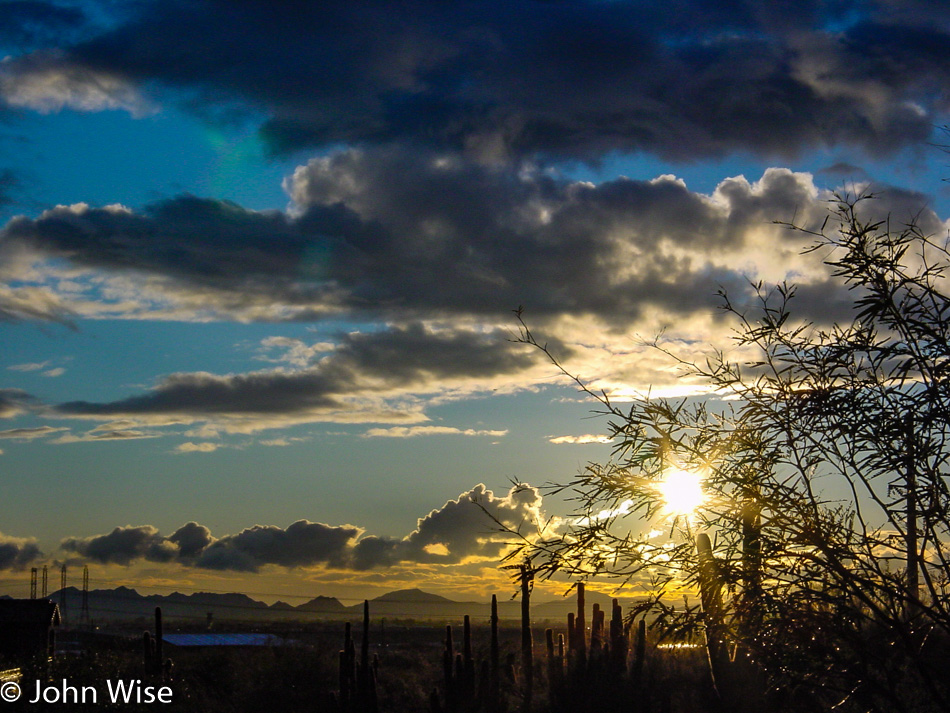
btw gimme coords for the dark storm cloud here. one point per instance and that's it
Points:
(123, 545)
(388, 233)
(376, 363)
(899, 208)
(209, 394)
(27, 24)
(299, 545)
(302, 544)
(17, 553)
(192, 539)
(462, 528)
(570, 79)
(208, 241)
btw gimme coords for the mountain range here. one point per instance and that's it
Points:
(123, 603)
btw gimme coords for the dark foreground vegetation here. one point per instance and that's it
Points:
(480, 664)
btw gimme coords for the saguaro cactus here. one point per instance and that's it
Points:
(618, 640)
(494, 658)
(366, 674)
(710, 585)
(159, 640)
(751, 604)
(580, 625)
(364, 646)
(468, 662)
(739, 682)
(639, 652)
(347, 669)
(448, 670)
(527, 645)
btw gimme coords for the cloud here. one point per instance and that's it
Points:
(25, 434)
(29, 23)
(848, 171)
(580, 79)
(17, 553)
(293, 351)
(584, 439)
(33, 303)
(464, 529)
(121, 430)
(301, 544)
(45, 83)
(440, 257)
(368, 377)
(192, 539)
(13, 402)
(123, 545)
(449, 239)
(37, 366)
(415, 431)
(280, 442)
(197, 447)
(53, 373)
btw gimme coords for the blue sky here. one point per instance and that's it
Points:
(268, 278)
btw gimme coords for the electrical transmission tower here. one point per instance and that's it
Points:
(44, 581)
(33, 583)
(84, 612)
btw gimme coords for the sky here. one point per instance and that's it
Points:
(260, 260)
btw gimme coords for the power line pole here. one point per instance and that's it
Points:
(33, 583)
(84, 611)
(45, 573)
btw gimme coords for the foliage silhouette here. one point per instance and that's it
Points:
(824, 460)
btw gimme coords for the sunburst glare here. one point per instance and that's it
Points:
(681, 491)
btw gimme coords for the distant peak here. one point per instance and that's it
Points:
(411, 595)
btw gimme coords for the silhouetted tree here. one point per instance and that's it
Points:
(824, 473)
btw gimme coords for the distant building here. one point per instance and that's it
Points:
(27, 629)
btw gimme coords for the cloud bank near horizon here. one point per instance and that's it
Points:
(463, 530)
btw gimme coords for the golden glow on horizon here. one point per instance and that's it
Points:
(681, 491)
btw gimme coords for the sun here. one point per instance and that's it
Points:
(681, 491)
